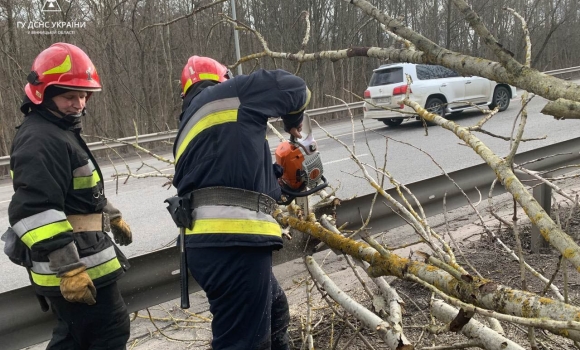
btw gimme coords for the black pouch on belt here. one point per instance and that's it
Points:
(180, 209)
(16, 250)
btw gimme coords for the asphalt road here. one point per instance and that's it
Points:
(141, 200)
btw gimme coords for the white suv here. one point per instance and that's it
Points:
(438, 89)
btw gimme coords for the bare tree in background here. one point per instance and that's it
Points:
(140, 47)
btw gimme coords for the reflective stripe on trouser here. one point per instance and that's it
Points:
(98, 265)
(233, 220)
(250, 310)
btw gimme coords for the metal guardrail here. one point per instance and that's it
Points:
(430, 192)
(100, 145)
(562, 70)
(165, 136)
(152, 279)
(333, 109)
(169, 135)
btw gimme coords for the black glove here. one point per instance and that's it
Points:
(278, 170)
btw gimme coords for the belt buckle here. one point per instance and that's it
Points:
(265, 205)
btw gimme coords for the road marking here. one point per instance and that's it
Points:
(162, 170)
(106, 181)
(151, 172)
(343, 159)
(272, 149)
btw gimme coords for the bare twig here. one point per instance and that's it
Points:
(193, 12)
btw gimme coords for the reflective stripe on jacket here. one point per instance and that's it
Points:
(222, 142)
(55, 175)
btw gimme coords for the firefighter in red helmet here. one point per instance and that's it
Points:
(199, 68)
(59, 208)
(225, 170)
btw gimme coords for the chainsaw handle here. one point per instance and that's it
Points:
(315, 189)
(288, 200)
(293, 194)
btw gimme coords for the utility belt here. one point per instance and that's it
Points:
(86, 222)
(181, 208)
(19, 254)
(230, 196)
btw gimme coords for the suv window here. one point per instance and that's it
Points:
(427, 71)
(387, 76)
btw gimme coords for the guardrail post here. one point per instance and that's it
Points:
(543, 194)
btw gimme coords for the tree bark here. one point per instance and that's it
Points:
(490, 339)
(480, 292)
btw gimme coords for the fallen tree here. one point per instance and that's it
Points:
(437, 270)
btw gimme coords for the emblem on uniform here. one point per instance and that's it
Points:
(89, 74)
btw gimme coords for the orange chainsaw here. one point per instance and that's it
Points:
(302, 167)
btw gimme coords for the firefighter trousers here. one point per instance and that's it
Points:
(104, 325)
(250, 309)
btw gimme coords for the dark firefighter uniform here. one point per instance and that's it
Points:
(222, 142)
(56, 179)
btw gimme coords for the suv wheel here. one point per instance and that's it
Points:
(501, 98)
(435, 105)
(392, 121)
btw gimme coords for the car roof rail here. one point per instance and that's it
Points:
(383, 66)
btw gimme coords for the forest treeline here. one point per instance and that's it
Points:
(140, 62)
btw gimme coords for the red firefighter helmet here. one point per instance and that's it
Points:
(62, 65)
(200, 68)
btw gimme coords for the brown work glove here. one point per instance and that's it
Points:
(77, 287)
(121, 231)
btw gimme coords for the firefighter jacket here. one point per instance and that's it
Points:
(222, 142)
(55, 175)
